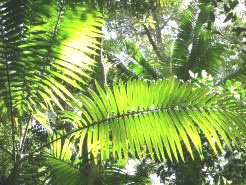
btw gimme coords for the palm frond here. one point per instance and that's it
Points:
(195, 49)
(41, 65)
(156, 118)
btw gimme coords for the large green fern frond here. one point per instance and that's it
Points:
(157, 118)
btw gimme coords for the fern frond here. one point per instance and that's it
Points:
(156, 118)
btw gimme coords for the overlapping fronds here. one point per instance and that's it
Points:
(135, 52)
(127, 54)
(45, 49)
(63, 171)
(239, 75)
(194, 48)
(118, 54)
(156, 118)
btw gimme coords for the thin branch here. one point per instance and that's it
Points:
(152, 42)
(167, 20)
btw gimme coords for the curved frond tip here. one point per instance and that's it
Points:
(156, 117)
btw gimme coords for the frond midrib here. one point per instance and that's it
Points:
(147, 111)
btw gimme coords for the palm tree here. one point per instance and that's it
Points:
(47, 51)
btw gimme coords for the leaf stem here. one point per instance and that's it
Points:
(54, 33)
(24, 137)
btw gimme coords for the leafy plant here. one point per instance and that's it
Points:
(47, 50)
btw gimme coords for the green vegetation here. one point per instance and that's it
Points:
(87, 85)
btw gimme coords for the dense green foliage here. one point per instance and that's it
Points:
(66, 119)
